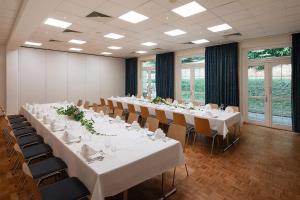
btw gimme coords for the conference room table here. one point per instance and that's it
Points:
(219, 120)
(131, 156)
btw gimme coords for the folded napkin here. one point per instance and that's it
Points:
(207, 106)
(175, 102)
(229, 109)
(55, 126)
(67, 137)
(87, 151)
(159, 134)
(46, 119)
(39, 115)
(135, 125)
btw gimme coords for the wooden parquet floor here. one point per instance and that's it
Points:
(264, 165)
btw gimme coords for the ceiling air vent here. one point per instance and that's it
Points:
(157, 49)
(232, 35)
(99, 17)
(51, 40)
(71, 31)
(187, 43)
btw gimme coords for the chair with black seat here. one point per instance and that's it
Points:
(20, 125)
(17, 120)
(24, 132)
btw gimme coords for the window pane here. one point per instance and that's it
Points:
(269, 53)
(185, 84)
(193, 60)
(200, 84)
(148, 63)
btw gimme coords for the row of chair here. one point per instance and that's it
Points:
(31, 161)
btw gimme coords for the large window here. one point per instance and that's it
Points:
(148, 78)
(193, 78)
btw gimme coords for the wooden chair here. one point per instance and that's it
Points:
(95, 107)
(79, 103)
(178, 132)
(118, 112)
(202, 127)
(86, 105)
(102, 102)
(179, 119)
(144, 114)
(110, 106)
(213, 105)
(120, 105)
(152, 124)
(132, 117)
(164, 122)
(131, 108)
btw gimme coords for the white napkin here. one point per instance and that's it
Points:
(190, 104)
(229, 109)
(39, 115)
(101, 113)
(175, 102)
(135, 125)
(159, 134)
(67, 136)
(46, 119)
(87, 151)
(207, 106)
(142, 97)
(54, 126)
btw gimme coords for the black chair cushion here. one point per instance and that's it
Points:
(14, 116)
(20, 125)
(36, 150)
(66, 189)
(24, 131)
(17, 120)
(30, 139)
(46, 167)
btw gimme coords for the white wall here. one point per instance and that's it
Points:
(44, 76)
(2, 76)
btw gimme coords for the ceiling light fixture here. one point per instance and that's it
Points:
(114, 47)
(141, 52)
(75, 49)
(189, 9)
(200, 41)
(106, 53)
(218, 28)
(77, 41)
(57, 23)
(133, 17)
(149, 44)
(175, 32)
(32, 43)
(113, 36)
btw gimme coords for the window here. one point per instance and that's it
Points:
(148, 78)
(193, 78)
(269, 53)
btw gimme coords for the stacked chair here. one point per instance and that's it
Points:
(31, 161)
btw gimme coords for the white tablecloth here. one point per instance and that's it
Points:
(136, 159)
(220, 122)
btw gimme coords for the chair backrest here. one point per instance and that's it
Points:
(86, 104)
(95, 107)
(232, 109)
(213, 105)
(132, 117)
(152, 124)
(79, 103)
(131, 108)
(144, 112)
(177, 132)
(118, 112)
(110, 104)
(202, 126)
(179, 119)
(196, 103)
(161, 116)
(102, 102)
(120, 105)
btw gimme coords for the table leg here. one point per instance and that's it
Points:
(237, 138)
(169, 193)
(125, 195)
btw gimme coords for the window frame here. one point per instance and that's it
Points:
(148, 70)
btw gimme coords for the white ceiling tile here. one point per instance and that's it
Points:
(112, 9)
(130, 3)
(72, 8)
(228, 8)
(151, 9)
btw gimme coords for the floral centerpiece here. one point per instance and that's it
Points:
(159, 100)
(76, 114)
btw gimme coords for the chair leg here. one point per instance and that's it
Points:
(194, 138)
(186, 169)
(212, 145)
(173, 183)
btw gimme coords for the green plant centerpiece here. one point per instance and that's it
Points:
(159, 100)
(73, 112)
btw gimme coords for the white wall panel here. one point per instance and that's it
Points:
(2, 76)
(92, 86)
(32, 76)
(76, 76)
(56, 76)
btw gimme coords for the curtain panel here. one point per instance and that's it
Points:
(296, 82)
(221, 74)
(165, 75)
(131, 76)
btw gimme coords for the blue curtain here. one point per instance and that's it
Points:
(296, 82)
(131, 76)
(221, 74)
(165, 75)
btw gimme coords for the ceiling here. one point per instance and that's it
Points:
(8, 12)
(251, 18)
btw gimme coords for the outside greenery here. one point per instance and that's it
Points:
(193, 60)
(269, 53)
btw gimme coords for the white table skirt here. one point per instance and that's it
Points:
(221, 123)
(137, 158)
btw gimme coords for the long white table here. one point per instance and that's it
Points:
(220, 122)
(136, 159)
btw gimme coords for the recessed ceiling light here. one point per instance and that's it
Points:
(141, 52)
(200, 41)
(57, 23)
(133, 17)
(218, 28)
(33, 43)
(114, 47)
(149, 44)
(189, 9)
(113, 36)
(106, 53)
(175, 32)
(77, 41)
(75, 49)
